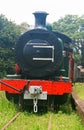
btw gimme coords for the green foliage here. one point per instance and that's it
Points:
(24, 27)
(9, 33)
(77, 58)
(70, 25)
(6, 61)
(7, 110)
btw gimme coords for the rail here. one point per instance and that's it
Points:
(11, 121)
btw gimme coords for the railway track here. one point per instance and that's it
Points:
(18, 114)
(45, 121)
(11, 121)
(50, 122)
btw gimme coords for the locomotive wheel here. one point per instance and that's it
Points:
(12, 97)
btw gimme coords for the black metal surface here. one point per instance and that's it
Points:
(25, 52)
(40, 19)
(33, 50)
(64, 38)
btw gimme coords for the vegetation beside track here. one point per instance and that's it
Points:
(65, 119)
(7, 110)
(79, 89)
(60, 121)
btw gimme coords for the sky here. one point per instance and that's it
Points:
(20, 11)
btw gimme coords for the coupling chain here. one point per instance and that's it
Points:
(35, 101)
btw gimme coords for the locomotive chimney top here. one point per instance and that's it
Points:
(40, 19)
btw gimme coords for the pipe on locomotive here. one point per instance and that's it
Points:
(40, 19)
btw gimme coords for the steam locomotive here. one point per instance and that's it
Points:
(44, 67)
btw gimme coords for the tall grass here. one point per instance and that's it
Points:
(7, 109)
(79, 89)
(65, 119)
(60, 121)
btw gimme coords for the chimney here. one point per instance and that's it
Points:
(40, 19)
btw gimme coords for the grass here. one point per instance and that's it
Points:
(30, 121)
(7, 110)
(65, 119)
(79, 89)
(60, 121)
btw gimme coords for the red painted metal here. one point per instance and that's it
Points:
(19, 84)
(51, 87)
(17, 69)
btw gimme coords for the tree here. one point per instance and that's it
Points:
(9, 33)
(24, 27)
(82, 51)
(66, 25)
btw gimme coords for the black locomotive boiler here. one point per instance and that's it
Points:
(44, 67)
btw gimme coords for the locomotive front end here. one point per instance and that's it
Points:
(38, 52)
